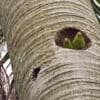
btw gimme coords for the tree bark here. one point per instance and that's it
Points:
(43, 70)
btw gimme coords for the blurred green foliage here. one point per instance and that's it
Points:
(98, 1)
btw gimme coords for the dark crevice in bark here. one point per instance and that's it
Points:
(35, 72)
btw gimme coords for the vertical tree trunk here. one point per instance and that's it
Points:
(30, 27)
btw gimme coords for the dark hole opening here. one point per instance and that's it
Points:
(70, 33)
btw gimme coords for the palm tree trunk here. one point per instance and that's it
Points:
(43, 70)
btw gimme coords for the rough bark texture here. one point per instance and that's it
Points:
(30, 27)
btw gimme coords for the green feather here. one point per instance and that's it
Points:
(78, 41)
(67, 43)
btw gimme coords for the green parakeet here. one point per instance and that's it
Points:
(67, 43)
(78, 41)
